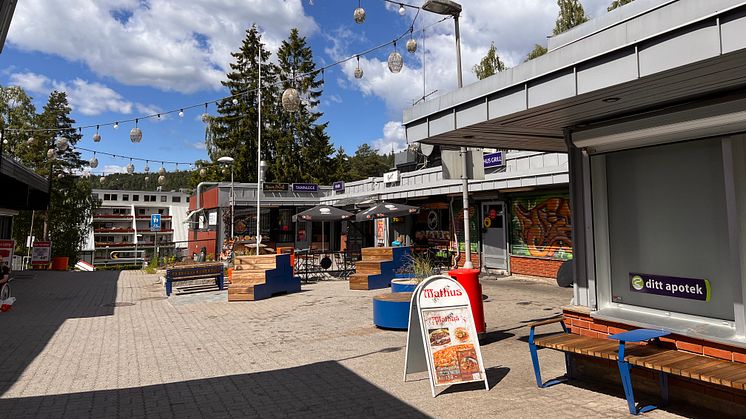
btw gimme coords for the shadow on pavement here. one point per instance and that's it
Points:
(494, 376)
(322, 389)
(44, 302)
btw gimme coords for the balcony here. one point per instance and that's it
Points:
(147, 217)
(117, 217)
(114, 230)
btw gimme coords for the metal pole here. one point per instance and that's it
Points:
(259, 155)
(233, 201)
(464, 161)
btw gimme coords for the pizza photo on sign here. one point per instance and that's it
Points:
(439, 337)
(467, 362)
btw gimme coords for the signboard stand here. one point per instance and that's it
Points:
(442, 337)
(41, 254)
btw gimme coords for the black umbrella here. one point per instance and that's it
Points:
(385, 210)
(323, 213)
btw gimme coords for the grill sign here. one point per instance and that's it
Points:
(494, 159)
(669, 286)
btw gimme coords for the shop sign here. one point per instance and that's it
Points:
(391, 177)
(669, 286)
(494, 160)
(41, 253)
(275, 187)
(305, 187)
(6, 252)
(442, 337)
(338, 186)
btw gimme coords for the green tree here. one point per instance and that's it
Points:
(618, 3)
(303, 147)
(234, 131)
(368, 163)
(341, 165)
(571, 14)
(17, 112)
(538, 51)
(490, 64)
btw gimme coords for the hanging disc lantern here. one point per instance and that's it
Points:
(162, 171)
(62, 143)
(30, 140)
(102, 180)
(96, 138)
(225, 170)
(161, 180)
(291, 100)
(411, 46)
(358, 70)
(136, 135)
(130, 168)
(60, 176)
(202, 172)
(93, 163)
(146, 169)
(395, 61)
(359, 15)
(147, 179)
(51, 154)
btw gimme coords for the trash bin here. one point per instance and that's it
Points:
(59, 263)
(469, 279)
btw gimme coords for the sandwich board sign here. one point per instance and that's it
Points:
(442, 337)
(41, 253)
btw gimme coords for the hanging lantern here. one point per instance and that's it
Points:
(130, 168)
(395, 61)
(146, 169)
(51, 154)
(291, 100)
(147, 179)
(359, 14)
(225, 170)
(116, 125)
(205, 117)
(161, 180)
(162, 171)
(358, 70)
(402, 10)
(181, 113)
(30, 140)
(102, 180)
(93, 163)
(60, 176)
(411, 46)
(136, 134)
(235, 101)
(202, 172)
(62, 143)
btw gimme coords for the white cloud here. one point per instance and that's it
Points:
(87, 98)
(113, 168)
(167, 44)
(393, 138)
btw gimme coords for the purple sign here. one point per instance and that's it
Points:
(305, 187)
(669, 286)
(338, 186)
(494, 160)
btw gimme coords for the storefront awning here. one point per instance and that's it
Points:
(22, 189)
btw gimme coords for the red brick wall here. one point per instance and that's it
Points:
(474, 260)
(206, 239)
(583, 324)
(546, 268)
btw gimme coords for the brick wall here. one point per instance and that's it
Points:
(474, 260)
(546, 268)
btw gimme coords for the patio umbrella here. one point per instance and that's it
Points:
(323, 213)
(385, 210)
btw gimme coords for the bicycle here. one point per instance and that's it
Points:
(5, 291)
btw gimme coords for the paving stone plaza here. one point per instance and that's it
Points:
(108, 344)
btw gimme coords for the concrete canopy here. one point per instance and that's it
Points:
(631, 63)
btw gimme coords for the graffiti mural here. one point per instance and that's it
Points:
(541, 227)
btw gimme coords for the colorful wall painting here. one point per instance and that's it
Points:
(541, 226)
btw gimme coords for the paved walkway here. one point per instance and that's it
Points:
(106, 344)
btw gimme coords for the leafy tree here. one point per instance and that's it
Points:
(618, 3)
(368, 163)
(341, 165)
(490, 64)
(234, 131)
(303, 147)
(17, 112)
(538, 51)
(571, 14)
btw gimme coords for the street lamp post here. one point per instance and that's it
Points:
(230, 161)
(451, 8)
(259, 156)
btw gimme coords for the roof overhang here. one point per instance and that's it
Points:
(22, 189)
(7, 7)
(662, 54)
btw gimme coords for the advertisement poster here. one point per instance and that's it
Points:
(6, 252)
(541, 226)
(450, 344)
(41, 253)
(380, 232)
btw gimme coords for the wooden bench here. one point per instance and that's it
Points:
(637, 348)
(190, 272)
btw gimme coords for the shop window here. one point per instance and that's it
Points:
(667, 227)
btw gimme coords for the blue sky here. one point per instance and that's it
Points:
(123, 59)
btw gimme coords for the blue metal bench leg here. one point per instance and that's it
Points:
(624, 372)
(535, 360)
(664, 388)
(168, 287)
(221, 281)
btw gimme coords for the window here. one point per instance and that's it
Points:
(141, 211)
(113, 197)
(125, 197)
(152, 198)
(146, 198)
(135, 198)
(163, 198)
(107, 197)
(95, 196)
(161, 211)
(175, 199)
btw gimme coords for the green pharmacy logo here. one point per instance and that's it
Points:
(638, 283)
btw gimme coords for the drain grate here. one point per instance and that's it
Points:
(118, 304)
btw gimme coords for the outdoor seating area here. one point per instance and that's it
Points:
(318, 265)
